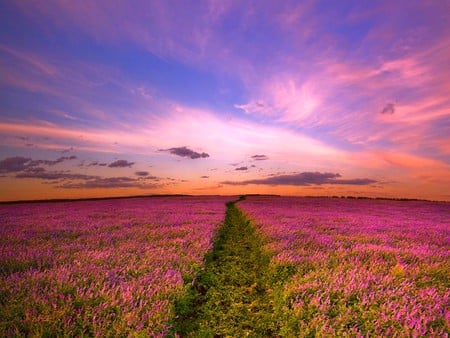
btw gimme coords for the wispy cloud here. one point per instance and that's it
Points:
(36, 62)
(285, 100)
(304, 179)
(41, 173)
(108, 183)
(96, 163)
(260, 157)
(52, 163)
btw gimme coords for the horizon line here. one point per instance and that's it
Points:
(56, 200)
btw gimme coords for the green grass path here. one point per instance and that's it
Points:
(232, 295)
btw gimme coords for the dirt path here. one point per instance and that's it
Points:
(232, 296)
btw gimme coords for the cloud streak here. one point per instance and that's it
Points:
(108, 183)
(96, 163)
(304, 179)
(260, 157)
(52, 163)
(41, 173)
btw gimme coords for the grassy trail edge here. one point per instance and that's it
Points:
(237, 292)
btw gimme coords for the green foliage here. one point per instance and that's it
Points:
(233, 294)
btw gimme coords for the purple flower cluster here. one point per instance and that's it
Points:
(100, 268)
(364, 267)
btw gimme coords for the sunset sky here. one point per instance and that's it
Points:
(113, 98)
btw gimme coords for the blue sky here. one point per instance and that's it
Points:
(341, 98)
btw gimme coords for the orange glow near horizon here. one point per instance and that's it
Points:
(131, 104)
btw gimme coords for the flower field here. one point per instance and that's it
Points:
(360, 267)
(100, 268)
(302, 267)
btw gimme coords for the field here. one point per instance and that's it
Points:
(362, 267)
(100, 268)
(274, 266)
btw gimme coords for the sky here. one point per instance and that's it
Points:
(117, 98)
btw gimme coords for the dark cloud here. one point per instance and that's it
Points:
(50, 163)
(260, 157)
(204, 176)
(154, 178)
(388, 109)
(35, 170)
(67, 150)
(14, 164)
(68, 180)
(304, 179)
(26, 168)
(18, 163)
(41, 173)
(356, 181)
(96, 163)
(241, 168)
(107, 183)
(146, 175)
(120, 164)
(186, 152)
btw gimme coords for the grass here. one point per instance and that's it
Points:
(234, 294)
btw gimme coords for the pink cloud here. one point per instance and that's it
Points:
(47, 74)
(442, 145)
(409, 161)
(418, 112)
(237, 138)
(163, 29)
(53, 136)
(25, 57)
(284, 99)
(225, 139)
(292, 15)
(22, 75)
(416, 170)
